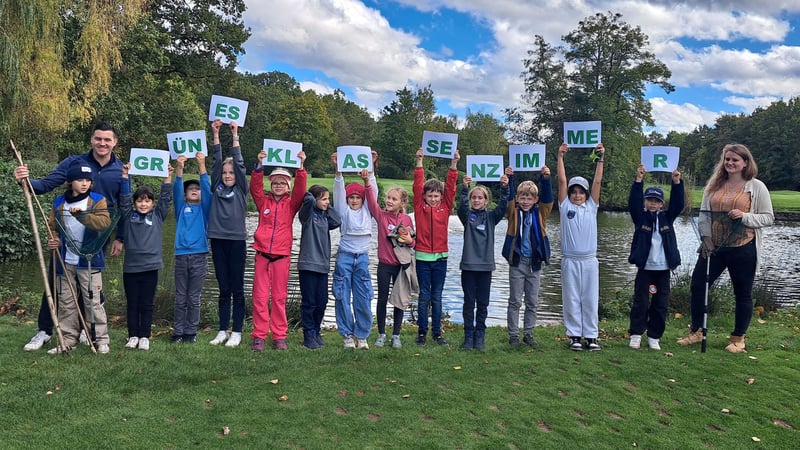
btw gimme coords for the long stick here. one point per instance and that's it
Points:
(26, 188)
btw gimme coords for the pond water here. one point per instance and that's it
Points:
(779, 266)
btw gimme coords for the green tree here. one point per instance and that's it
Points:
(400, 130)
(352, 123)
(304, 119)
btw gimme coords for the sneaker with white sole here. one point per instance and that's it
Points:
(144, 344)
(592, 345)
(103, 348)
(37, 341)
(133, 342)
(349, 342)
(221, 337)
(654, 344)
(83, 339)
(381, 341)
(396, 341)
(636, 341)
(362, 344)
(575, 344)
(234, 340)
(59, 350)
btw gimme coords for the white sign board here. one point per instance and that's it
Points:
(485, 167)
(187, 143)
(227, 110)
(439, 145)
(353, 158)
(149, 162)
(526, 158)
(282, 153)
(583, 134)
(660, 158)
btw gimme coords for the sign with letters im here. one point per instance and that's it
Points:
(583, 134)
(660, 158)
(227, 110)
(526, 158)
(149, 162)
(485, 167)
(187, 143)
(281, 153)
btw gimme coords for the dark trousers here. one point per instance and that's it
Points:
(650, 303)
(140, 291)
(314, 299)
(229, 260)
(476, 286)
(741, 265)
(387, 274)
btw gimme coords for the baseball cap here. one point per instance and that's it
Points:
(580, 181)
(654, 192)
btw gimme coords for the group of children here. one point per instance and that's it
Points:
(412, 255)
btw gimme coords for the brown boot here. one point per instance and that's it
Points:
(693, 337)
(736, 344)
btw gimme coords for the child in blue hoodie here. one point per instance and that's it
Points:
(192, 207)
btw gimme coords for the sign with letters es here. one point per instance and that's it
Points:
(660, 158)
(281, 153)
(439, 145)
(187, 143)
(583, 134)
(353, 158)
(227, 110)
(149, 162)
(485, 167)
(526, 158)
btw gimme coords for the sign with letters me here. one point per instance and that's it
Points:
(583, 134)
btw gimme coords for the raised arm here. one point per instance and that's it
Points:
(597, 182)
(562, 173)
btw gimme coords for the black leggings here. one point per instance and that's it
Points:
(386, 274)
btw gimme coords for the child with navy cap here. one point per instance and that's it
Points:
(654, 251)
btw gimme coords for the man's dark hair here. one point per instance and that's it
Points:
(105, 126)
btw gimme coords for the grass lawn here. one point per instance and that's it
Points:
(181, 396)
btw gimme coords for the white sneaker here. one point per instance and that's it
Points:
(234, 340)
(362, 344)
(144, 344)
(59, 350)
(133, 342)
(221, 337)
(396, 341)
(349, 342)
(636, 341)
(654, 344)
(381, 341)
(37, 341)
(83, 339)
(103, 348)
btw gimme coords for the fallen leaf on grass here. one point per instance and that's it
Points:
(782, 423)
(273, 381)
(457, 368)
(49, 393)
(752, 357)
(762, 321)
(213, 381)
(668, 354)
(755, 439)
(726, 410)
(226, 431)
(485, 361)
(671, 380)
(406, 395)
(751, 380)
(283, 398)
(208, 401)
(678, 316)
(58, 387)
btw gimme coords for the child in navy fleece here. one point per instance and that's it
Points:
(144, 220)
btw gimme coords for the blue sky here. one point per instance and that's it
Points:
(725, 56)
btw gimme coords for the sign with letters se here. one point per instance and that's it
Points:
(149, 162)
(526, 158)
(660, 158)
(439, 145)
(353, 158)
(187, 143)
(227, 110)
(583, 134)
(485, 167)
(281, 153)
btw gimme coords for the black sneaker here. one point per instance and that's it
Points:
(575, 344)
(514, 341)
(420, 340)
(439, 339)
(189, 338)
(592, 345)
(529, 340)
(176, 339)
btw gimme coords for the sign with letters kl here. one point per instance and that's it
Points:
(227, 110)
(660, 158)
(149, 162)
(281, 153)
(526, 158)
(187, 143)
(485, 167)
(439, 145)
(353, 158)
(583, 134)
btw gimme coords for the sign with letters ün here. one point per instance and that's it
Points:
(526, 158)
(660, 158)
(227, 110)
(149, 162)
(353, 158)
(583, 134)
(485, 167)
(281, 153)
(439, 145)
(187, 143)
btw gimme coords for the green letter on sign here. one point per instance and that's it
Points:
(660, 160)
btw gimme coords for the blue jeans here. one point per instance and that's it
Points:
(351, 276)
(431, 282)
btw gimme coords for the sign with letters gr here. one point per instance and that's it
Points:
(149, 162)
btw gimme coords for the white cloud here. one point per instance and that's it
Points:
(685, 118)
(749, 104)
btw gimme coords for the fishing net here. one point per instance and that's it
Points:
(716, 230)
(85, 233)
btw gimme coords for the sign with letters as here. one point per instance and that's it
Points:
(353, 158)
(439, 145)
(187, 143)
(485, 167)
(526, 158)
(660, 158)
(227, 110)
(149, 162)
(583, 134)
(281, 153)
